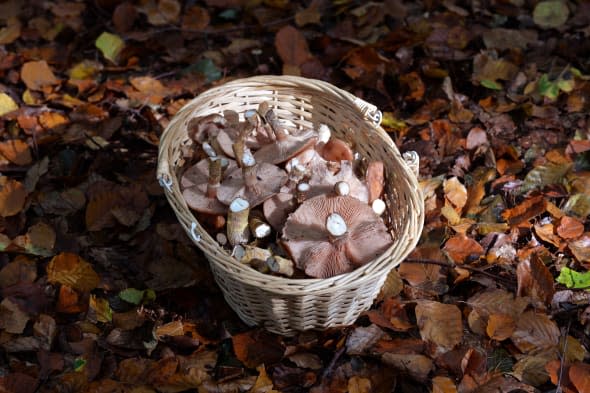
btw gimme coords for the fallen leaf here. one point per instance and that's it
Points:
(362, 339)
(7, 104)
(358, 384)
(439, 323)
(195, 18)
(550, 14)
(137, 296)
(569, 227)
(559, 374)
(574, 350)
(263, 383)
(99, 310)
(12, 318)
(573, 279)
(544, 175)
(86, 69)
(414, 84)
(110, 45)
(310, 15)
(578, 205)
(12, 197)
(546, 232)
(18, 382)
(535, 332)
(70, 302)
(500, 326)
(417, 366)
(443, 385)
(528, 209)
(306, 360)
(37, 75)
(461, 248)
(534, 279)
(174, 328)
(581, 248)
(476, 137)
(45, 329)
(501, 39)
(11, 32)
(39, 240)
(579, 374)
(124, 16)
(292, 47)
(51, 120)
(257, 347)
(531, 369)
(21, 269)
(455, 192)
(487, 70)
(71, 269)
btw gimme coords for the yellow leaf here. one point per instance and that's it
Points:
(110, 46)
(7, 104)
(72, 270)
(86, 69)
(100, 310)
(359, 385)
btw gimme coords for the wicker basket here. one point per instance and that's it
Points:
(284, 305)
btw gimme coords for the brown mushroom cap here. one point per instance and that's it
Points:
(336, 150)
(269, 179)
(198, 174)
(322, 180)
(203, 127)
(284, 149)
(322, 255)
(277, 208)
(198, 201)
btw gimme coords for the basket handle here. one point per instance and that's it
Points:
(412, 159)
(163, 175)
(370, 111)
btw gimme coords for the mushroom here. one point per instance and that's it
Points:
(375, 178)
(198, 174)
(202, 197)
(237, 222)
(255, 182)
(277, 208)
(286, 146)
(202, 128)
(322, 181)
(331, 235)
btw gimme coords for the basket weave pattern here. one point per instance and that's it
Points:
(284, 305)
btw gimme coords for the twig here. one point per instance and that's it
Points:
(562, 360)
(466, 267)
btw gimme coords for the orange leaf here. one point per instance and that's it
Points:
(257, 347)
(500, 326)
(530, 208)
(69, 301)
(535, 279)
(570, 228)
(37, 74)
(414, 84)
(50, 120)
(12, 197)
(461, 247)
(580, 376)
(71, 269)
(16, 151)
(559, 373)
(546, 233)
(443, 385)
(440, 323)
(292, 46)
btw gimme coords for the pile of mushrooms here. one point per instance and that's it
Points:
(284, 202)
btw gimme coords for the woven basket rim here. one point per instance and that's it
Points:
(246, 274)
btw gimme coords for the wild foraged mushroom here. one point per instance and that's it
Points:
(322, 181)
(286, 146)
(331, 235)
(205, 201)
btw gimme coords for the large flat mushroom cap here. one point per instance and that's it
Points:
(277, 208)
(270, 179)
(307, 240)
(322, 181)
(203, 127)
(198, 174)
(198, 201)
(283, 150)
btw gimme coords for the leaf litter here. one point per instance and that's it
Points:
(101, 290)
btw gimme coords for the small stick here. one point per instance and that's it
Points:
(237, 222)
(280, 265)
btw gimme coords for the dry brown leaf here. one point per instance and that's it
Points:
(535, 279)
(579, 247)
(292, 46)
(37, 74)
(574, 350)
(362, 339)
(257, 347)
(50, 120)
(500, 326)
(546, 233)
(570, 228)
(455, 192)
(535, 332)
(358, 384)
(70, 269)
(417, 366)
(195, 18)
(440, 323)
(12, 318)
(263, 383)
(391, 315)
(443, 385)
(476, 137)
(70, 302)
(12, 197)
(460, 248)
(174, 328)
(39, 240)
(531, 369)
(559, 374)
(528, 209)
(22, 269)
(580, 376)
(417, 274)
(309, 15)
(16, 151)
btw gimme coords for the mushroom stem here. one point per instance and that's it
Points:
(324, 135)
(209, 150)
(335, 225)
(258, 227)
(279, 131)
(378, 206)
(280, 265)
(238, 147)
(302, 190)
(237, 222)
(249, 169)
(341, 188)
(221, 238)
(214, 177)
(248, 254)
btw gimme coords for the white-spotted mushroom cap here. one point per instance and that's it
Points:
(322, 181)
(198, 174)
(331, 235)
(255, 182)
(277, 208)
(202, 128)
